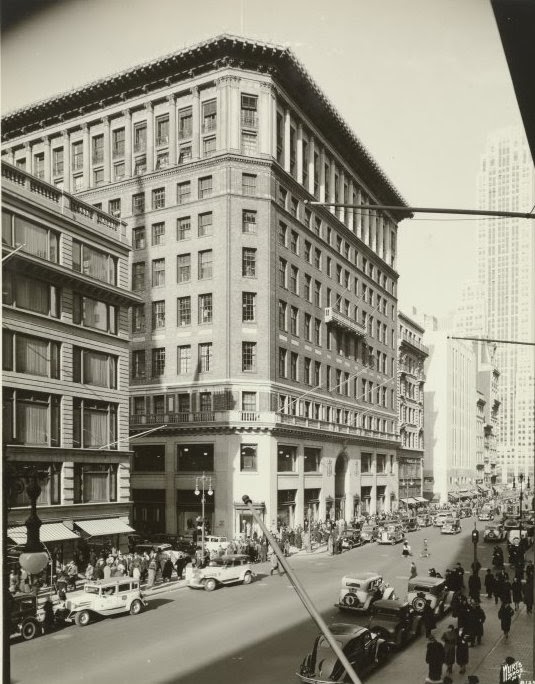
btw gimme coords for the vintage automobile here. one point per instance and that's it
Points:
(513, 536)
(359, 590)
(465, 512)
(485, 514)
(451, 526)
(391, 534)
(424, 520)
(229, 569)
(23, 616)
(410, 525)
(104, 597)
(368, 533)
(433, 589)
(350, 539)
(510, 523)
(213, 543)
(493, 533)
(363, 649)
(396, 622)
(440, 518)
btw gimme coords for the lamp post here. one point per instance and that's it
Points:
(203, 486)
(521, 498)
(475, 540)
(33, 559)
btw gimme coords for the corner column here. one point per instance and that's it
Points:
(127, 143)
(286, 150)
(341, 197)
(85, 158)
(300, 153)
(310, 162)
(265, 120)
(46, 158)
(195, 123)
(107, 149)
(150, 137)
(332, 186)
(66, 161)
(233, 118)
(172, 130)
(322, 176)
(351, 212)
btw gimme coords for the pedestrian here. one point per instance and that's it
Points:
(48, 621)
(529, 569)
(428, 618)
(474, 586)
(506, 590)
(152, 567)
(498, 586)
(434, 657)
(167, 570)
(489, 583)
(459, 570)
(89, 572)
(505, 614)
(413, 571)
(477, 619)
(406, 551)
(425, 550)
(449, 638)
(516, 591)
(462, 652)
(274, 564)
(528, 594)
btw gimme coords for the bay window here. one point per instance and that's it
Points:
(94, 424)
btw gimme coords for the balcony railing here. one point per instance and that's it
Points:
(415, 343)
(342, 321)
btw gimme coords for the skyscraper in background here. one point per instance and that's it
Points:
(505, 272)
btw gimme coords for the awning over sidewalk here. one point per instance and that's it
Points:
(103, 527)
(420, 499)
(410, 500)
(49, 532)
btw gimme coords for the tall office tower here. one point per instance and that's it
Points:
(264, 350)
(506, 271)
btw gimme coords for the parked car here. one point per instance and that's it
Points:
(350, 539)
(513, 536)
(450, 526)
(510, 523)
(424, 520)
(391, 534)
(410, 525)
(440, 519)
(359, 590)
(433, 589)
(212, 543)
(465, 512)
(104, 598)
(23, 616)
(369, 533)
(395, 622)
(485, 515)
(229, 569)
(494, 533)
(363, 648)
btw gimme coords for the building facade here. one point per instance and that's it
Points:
(264, 349)
(65, 361)
(488, 387)
(412, 354)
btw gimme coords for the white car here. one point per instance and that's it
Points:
(105, 598)
(450, 526)
(213, 543)
(229, 569)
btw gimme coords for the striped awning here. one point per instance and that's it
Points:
(410, 500)
(49, 532)
(103, 527)
(420, 499)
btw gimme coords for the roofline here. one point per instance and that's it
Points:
(411, 321)
(225, 50)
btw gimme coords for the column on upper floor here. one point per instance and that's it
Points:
(106, 149)
(66, 161)
(46, 158)
(127, 143)
(85, 157)
(195, 123)
(310, 162)
(150, 137)
(350, 211)
(287, 146)
(300, 153)
(172, 130)
(267, 120)
(322, 197)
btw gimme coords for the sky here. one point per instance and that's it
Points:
(421, 83)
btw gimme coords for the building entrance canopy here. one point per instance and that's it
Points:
(410, 500)
(103, 527)
(49, 532)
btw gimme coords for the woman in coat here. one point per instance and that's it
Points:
(528, 594)
(506, 590)
(462, 652)
(152, 573)
(505, 614)
(489, 583)
(516, 591)
(449, 638)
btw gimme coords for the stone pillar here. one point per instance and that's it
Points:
(106, 149)
(380, 237)
(273, 123)
(195, 123)
(365, 221)
(332, 186)
(373, 493)
(300, 492)
(66, 161)
(10, 156)
(265, 119)
(150, 137)
(388, 253)
(85, 149)
(300, 159)
(127, 143)
(233, 117)
(351, 212)
(46, 158)
(172, 129)
(373, 230)
(286, 149)
(222, 113)
(28, 156)
(322, 175)
(310, 162)
(341, 198)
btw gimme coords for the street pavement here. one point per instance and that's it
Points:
(259, 634)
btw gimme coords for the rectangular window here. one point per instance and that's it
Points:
(317, 332)
(195, 458)
(158, 234)
(308, 327)
(282, 272)
(286, 459)
(32, 418)
(248, 221)
(97, 149)
(205, 224)
(92, 313)
(283, 308)
(308, 251)
(98, 176)
(183, 268)
(138, 203)
(158, 315)
(140, 137)
(148, 457)
(307, 369)
(31, 355)
(117, 142)
(294, 361)
(248, 184)
(209, 147)
(183, 228)
(248, 262)
(77, 152)
(205, 357)
(183, 192)
(365, 463)
(138, 276)
(77, 183)
(138, 318)
(205, 187)
(158, 198)
(280, 137)
(119, 171)
(95, 482)
(158, 362)
(283, 232)
(94, 368)
(31, 237)
(30, 294)
(162, 160)
(57, 161)
(205, 264)
(294, 279)
(248, 306)
(248, 455)
(94, 424)
(162, 131)
(248, 356)
(282, 362)
(282, 196)
(294, 242)
(185, 121)
(94, 263)
(183, 311)
(184, 359)
(205, 308)
(249, 143)
(158, 272)
(249, 111)
(317, 373)
(307, 289)
(184, 154)
(294, 320)
(140, 165)
(209, 116)
(312, 459)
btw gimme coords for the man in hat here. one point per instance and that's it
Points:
(434, 657)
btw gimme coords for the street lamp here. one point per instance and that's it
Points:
(521, 497)
(34, 558)
(203, 486)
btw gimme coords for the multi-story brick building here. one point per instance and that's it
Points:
(65, 307)
(265, 347)
(411, 381)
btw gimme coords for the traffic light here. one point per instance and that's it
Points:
(475, 536)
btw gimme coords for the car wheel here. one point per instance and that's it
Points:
(210, 584)
(136, 607)
(418, 604)
(82, 618)
(29, 629)
(350, 600)
(248, 578)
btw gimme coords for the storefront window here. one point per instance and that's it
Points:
(195, 458)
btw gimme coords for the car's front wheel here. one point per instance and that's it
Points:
(248, 578)
(210, 584)
(82, 618)
(29, 629)
(136, 607)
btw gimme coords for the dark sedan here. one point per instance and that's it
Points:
(395, 622)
